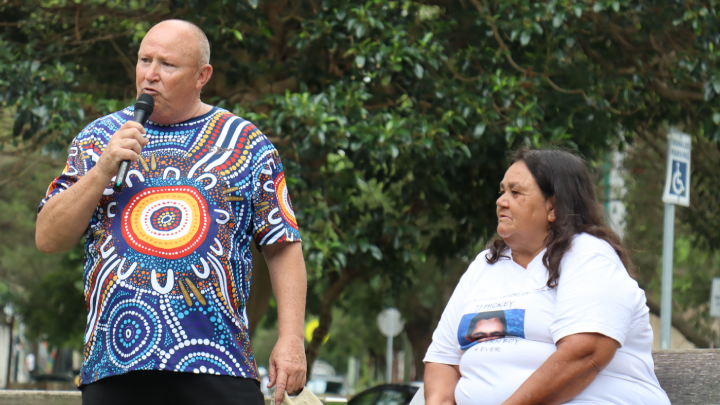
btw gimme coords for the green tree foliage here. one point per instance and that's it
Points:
(393, 117)
(46, 291)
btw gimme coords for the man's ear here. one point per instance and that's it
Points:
(550, 207)
(204, 76)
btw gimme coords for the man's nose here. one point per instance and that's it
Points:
(152, 72)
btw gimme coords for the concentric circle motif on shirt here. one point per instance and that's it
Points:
(284, 200)
(166, 219)
(134, 329)
(167, 222)
(203, 357)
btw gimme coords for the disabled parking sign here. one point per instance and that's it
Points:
(677, 180)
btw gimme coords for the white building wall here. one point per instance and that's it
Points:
(5, 353)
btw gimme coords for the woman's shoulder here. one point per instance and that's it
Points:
(584, 245)
(480, 263)
(474, 271)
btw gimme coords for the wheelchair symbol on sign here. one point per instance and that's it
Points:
(677, 183)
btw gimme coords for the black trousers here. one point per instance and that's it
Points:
(155, 387)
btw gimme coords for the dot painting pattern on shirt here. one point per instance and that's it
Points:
(167, 260)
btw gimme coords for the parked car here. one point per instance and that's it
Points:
(386, 394)
(328, 388)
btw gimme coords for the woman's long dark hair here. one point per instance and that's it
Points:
(563, 175)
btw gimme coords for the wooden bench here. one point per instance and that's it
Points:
(690, 377)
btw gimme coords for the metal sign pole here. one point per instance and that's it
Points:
(389, 354)
(677, 191)
(391, 324)
(715, 300)
(667, 276)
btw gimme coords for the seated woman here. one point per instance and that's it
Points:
(548, 313)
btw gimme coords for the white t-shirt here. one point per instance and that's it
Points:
(502, 323)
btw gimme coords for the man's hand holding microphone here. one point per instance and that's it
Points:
(59, 232)
(128, 141)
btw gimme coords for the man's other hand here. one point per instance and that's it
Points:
(288, 366)
(125, 144)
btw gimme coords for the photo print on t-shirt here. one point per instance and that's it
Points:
(491, 325)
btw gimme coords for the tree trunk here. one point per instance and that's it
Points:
(260, 290)
(419, 332)
(335, 287)
(683, 326)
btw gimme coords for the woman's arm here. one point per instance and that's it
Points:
(578, 360)
(440, 381)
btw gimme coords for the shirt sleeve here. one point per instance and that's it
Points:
(82, 157)
(594, 295)
(445, 347)
(273, 216)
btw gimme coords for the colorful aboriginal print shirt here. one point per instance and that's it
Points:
(167, 260)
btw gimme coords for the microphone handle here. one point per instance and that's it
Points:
(141, 117)
(122, 174)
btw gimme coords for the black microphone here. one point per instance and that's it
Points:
(143, 110)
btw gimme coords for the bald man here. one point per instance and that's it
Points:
(167, 259)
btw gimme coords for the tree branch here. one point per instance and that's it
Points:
(666, 91)
(587, 49)
(77, 24)
(335, 288)
(79, 49)
(19, 175)
(682, 326)
(27, 157)
(527, 72)
(388, 103)
(616, 33)
(102, 38)
(458, 76)
(127, 64)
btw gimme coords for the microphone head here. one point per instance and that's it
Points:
(146, 103)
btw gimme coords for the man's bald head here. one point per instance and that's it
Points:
(172, 67)
(201, 41)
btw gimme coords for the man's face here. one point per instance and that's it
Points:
(488, 329)
(168, 70)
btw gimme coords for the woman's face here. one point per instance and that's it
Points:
(524, 214)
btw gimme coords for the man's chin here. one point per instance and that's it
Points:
(159, 112)
(159, 119)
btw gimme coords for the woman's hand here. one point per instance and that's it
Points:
(578, 360)
(440, 382)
